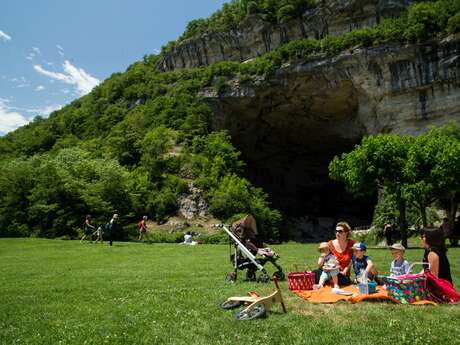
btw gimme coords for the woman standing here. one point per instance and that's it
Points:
(435, 258)
(88, 229)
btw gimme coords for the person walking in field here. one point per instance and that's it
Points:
(142, 227)
(112, 228)
(388, 232)
(99, 232)
(88, 229)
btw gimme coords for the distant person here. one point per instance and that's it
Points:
(88, 229)
(455, 233)
(188, 239)
(446, 227)
(435, 257)
(112, 228)
(142, 227)
(388, 232)
(99, 232)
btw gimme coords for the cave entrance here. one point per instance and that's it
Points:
(288, 132)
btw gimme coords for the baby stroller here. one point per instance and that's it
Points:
(243, 234)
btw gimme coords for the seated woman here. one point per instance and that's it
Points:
(341, 248)
(435, 258)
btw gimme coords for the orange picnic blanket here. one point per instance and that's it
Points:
(325, 295)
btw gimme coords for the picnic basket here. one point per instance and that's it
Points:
(301, 280)
(408, 288)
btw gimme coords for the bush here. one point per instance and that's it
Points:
(217, 238)
(453, 25)
(422, 21)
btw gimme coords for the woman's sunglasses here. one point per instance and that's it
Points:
(339, 231)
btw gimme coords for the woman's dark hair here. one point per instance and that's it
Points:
(434, 237)
(88, 216)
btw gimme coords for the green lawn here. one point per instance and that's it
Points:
(64, 292)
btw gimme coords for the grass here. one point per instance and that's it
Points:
(64, 292)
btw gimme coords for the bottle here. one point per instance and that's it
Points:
(365, 283)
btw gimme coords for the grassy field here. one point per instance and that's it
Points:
(64, 292)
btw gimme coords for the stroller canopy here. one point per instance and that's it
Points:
(245, 228)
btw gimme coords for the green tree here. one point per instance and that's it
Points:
(377, 163)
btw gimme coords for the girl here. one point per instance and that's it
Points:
(435, 253)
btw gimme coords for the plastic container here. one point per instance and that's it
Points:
(368, 288)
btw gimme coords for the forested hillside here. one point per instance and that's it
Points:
(143, 137)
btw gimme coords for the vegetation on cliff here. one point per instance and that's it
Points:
(233, 13)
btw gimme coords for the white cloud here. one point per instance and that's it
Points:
(4, 37)
(9, 120)
(82, 81)
(20, 82)
(36, 50)
(40, 88)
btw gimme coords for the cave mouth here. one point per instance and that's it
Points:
(287, 134)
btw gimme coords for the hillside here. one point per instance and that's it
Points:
(145, 138)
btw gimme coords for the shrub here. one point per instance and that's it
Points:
(422, 21)
(453, 25)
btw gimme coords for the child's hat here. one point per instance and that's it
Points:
(323, 245)
(360, 246)
(398, 246)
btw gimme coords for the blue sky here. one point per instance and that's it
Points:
(54, 51)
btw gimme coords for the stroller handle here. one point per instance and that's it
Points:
(243, 248)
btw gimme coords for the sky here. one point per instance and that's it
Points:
(54, 51)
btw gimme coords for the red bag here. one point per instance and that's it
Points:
(441, 290)
(301, 280)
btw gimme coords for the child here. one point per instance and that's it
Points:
(399, 266)
(361, 263)
(99, 233)
(329, 265)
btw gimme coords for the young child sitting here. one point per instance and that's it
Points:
(361, 263)
(329, 265)
(399, 266)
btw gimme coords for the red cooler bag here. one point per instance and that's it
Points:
(301, 280)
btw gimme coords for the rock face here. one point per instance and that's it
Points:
(192, 205)
(289, 126)
(255, 36)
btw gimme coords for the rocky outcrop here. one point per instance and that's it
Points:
(192, 205)
(255, 36)
(290, 126)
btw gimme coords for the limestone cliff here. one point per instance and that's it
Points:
(255, 36)
(289, 126)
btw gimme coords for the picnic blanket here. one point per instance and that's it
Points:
(325, 295)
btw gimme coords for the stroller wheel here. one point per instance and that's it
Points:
(279, 275)
(264, 278)
(250, 275)
(256, 312)
(229, 304)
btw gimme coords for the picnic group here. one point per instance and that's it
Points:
(340, 256)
